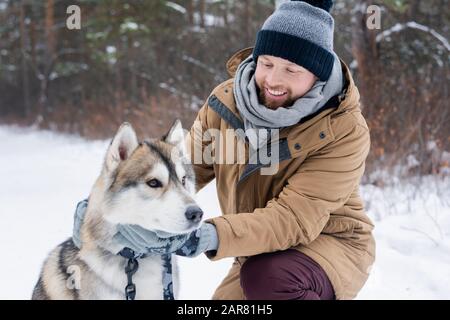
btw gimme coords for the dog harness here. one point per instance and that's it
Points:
(132, 267)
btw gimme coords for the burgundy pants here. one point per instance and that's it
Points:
(285, 275)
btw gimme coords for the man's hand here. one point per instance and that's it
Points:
(201, 240)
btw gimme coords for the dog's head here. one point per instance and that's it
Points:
(150, 184)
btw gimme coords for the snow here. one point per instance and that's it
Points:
(413, 240)
(129, 26)
(45, 174)
(111, 49)
(413, 25)
(353, 65)
(278, 3)
(176, 7)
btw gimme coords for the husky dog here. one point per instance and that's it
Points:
(149, 184)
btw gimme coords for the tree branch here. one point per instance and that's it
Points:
(413, 25)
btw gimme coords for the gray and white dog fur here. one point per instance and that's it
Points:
(122, 195)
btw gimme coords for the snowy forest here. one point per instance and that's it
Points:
(66, 88)
(149, 62)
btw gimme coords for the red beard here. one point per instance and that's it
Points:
(267, 101)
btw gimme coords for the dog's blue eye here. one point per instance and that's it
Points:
(154, 183)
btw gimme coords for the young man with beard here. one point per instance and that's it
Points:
(301, 233)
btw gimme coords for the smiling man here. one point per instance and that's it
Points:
(301, 233)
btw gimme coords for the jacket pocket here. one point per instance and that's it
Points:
(341, 227)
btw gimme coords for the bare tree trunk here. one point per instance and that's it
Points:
(202, 10)
(49, 54)
(25, 79)
(49, 25)
(190, 12)
(225, 13)
(364, 50)
(248, 11)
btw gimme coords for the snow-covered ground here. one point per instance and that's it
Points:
(43, 175)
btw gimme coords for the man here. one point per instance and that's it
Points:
(300, 232)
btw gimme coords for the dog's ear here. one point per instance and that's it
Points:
(176, 136)
(121, 147)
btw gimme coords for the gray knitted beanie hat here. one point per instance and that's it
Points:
(301, 32)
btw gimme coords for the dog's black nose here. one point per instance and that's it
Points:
(194, 214)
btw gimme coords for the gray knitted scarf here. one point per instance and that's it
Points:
(260, 118)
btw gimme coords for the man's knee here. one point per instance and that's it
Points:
(283, 275)
(263, 277)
